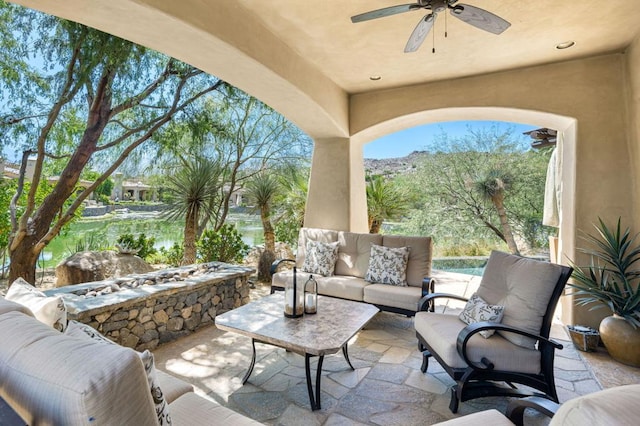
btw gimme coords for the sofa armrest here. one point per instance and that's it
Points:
(515, 409)
(428, 287)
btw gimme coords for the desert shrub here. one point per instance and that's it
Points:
(89, 242)
(171, 256)
(287, 231)
(225, 245)
(143, 244)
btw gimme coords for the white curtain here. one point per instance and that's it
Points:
(553, 187)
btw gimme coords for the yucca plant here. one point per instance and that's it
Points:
(613, 276)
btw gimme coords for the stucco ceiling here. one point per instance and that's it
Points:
(350, 53)
(306, 58)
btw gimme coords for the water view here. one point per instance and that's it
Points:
(103, 232)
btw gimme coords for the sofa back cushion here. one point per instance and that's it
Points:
(354, 251)
(50, 378)
(313, 234)
(420, 254)
(9, 306)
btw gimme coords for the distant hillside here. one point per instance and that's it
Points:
(391, 167)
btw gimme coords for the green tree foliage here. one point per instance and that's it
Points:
(451, 207)
(143, 246)
(292, 201)
(93, 99)
(385, 200)
(193, 190)
(223, 245)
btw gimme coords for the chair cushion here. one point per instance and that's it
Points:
(46, 309)
(313, 234)
(487, 417)
(388, 265)
(9, 306)
(320, 258)
(615, 406)
(191, 409)
(477, 310)
(172, 387)
(68, 381)
(282, 278)
(351, 288)
(419, 263)
(524, 287)
(353, 253)
(441, 332)
(394, 296)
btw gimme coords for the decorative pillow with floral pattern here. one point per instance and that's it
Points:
(49, 310)
(320, 258)
(477, 310)
(388, 265)
(78, 329)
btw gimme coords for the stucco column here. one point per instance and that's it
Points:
(337, 193)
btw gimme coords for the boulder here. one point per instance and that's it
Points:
(91, 266)
(283, 251)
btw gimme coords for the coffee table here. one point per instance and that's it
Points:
(324, 333)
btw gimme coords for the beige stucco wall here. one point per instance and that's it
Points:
(633, 101)
(586, 99)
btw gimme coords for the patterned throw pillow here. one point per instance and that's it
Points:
(78, 329)
(46, 309)
(320, 258)
(388, 265)
(477, 310)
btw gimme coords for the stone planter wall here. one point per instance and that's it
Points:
(160, 307)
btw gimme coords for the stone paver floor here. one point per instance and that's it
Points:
(386, 388)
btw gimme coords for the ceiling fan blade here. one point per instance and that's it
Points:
(420, 33)
(480, 18)
(387, 11)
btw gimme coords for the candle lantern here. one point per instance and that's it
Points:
(293, 297)
(311, 296)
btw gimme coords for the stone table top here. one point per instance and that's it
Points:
(323, 333)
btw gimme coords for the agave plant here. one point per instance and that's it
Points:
(613, 276)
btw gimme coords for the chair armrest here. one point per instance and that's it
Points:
(276, 264)
(467, 332)
(425, 303)
(515, 409)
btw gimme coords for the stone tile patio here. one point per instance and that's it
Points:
(386, 388)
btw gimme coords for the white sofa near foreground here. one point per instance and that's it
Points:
(347, 277)
(52, 378)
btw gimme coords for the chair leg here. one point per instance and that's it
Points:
(455, 400)
(425, 361)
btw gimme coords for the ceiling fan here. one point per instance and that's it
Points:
(472, 15)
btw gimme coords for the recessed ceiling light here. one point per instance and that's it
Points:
(565, 45)
(375, 78)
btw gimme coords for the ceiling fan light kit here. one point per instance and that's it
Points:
(471, 15)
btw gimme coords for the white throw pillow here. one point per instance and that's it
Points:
(388, 265)
(49, 310)
(80, 330)
(320, 258)
(477, 310)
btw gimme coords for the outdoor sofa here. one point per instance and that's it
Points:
(49, 377)
(389, 271)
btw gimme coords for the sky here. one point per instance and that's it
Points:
(403, 143)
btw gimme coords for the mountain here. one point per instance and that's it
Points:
(391, 167)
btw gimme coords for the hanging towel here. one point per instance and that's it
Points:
(551, 211)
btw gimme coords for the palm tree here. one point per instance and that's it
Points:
(384, 201)
(192, 190)
(261, 190)
(493, 187)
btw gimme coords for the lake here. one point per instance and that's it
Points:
(106, 230)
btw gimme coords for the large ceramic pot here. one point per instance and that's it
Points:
(621, 340)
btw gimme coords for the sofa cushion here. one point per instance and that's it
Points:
(313, 234)
(524, 287)
(320, 258)
(614, 406)
(419, 264)
(388, 265)
(84, 331)
(191, 409)
(282, 278)
(441, 331)
(353, 253)
(393, 296)
(68, 381)
(172, 387)
(9, 306)
(477, 310)
(491, 417)
(351, 288)
(46, 309)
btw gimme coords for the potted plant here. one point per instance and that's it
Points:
(611, 280)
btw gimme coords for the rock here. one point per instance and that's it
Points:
(91, 266)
